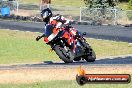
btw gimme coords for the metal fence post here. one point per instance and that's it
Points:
(80, 14)
(115, 17)
(17, 6)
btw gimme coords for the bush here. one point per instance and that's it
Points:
(123, 0)
(130, 4)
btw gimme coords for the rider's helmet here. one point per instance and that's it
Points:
(46, 14)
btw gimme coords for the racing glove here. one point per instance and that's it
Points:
(39, 37)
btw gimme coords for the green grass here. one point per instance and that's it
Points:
(68, 2)
(29, 1)
(56, 2)
(21, 47)
(123, 6)
(110, 48)
(64, 84)
(78, 3)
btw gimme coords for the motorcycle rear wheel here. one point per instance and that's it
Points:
(91, 58)
(77, 59)
(61, 52)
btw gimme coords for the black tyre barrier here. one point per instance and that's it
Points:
(38, 19)
(23, 18)
(18, 17)
(129, 25)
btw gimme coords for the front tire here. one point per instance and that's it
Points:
(61, 52)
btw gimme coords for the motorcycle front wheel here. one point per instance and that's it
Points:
(67, 57)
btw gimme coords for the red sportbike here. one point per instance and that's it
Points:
(69, 44)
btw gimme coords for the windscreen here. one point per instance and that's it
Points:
(48, 30)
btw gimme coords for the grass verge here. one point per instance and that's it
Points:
(64, 84)
(78, 3)
(56, 2)
(21, 47)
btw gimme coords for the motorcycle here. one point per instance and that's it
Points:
(68, 46)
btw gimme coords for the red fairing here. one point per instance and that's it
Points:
(46, 39)
(73, 31)
(70, 38)
(67, 36)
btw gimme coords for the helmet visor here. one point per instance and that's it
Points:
(45, 15)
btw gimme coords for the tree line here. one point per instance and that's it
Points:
(110, 3)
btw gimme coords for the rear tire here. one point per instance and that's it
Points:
(91, 54)
(60, 52)
(91, 58)
(77, 59)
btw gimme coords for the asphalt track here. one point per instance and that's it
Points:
(118, 61)
(117, 33)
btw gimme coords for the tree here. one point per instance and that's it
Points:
(111, 3)
(123, 0)
(92, 3)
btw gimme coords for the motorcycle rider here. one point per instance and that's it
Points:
(57, 22)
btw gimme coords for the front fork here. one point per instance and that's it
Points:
(62, 44)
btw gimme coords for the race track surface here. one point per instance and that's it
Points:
(117, 33)
(119, 61)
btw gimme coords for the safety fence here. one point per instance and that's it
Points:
(67, 11)
(112, 16)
